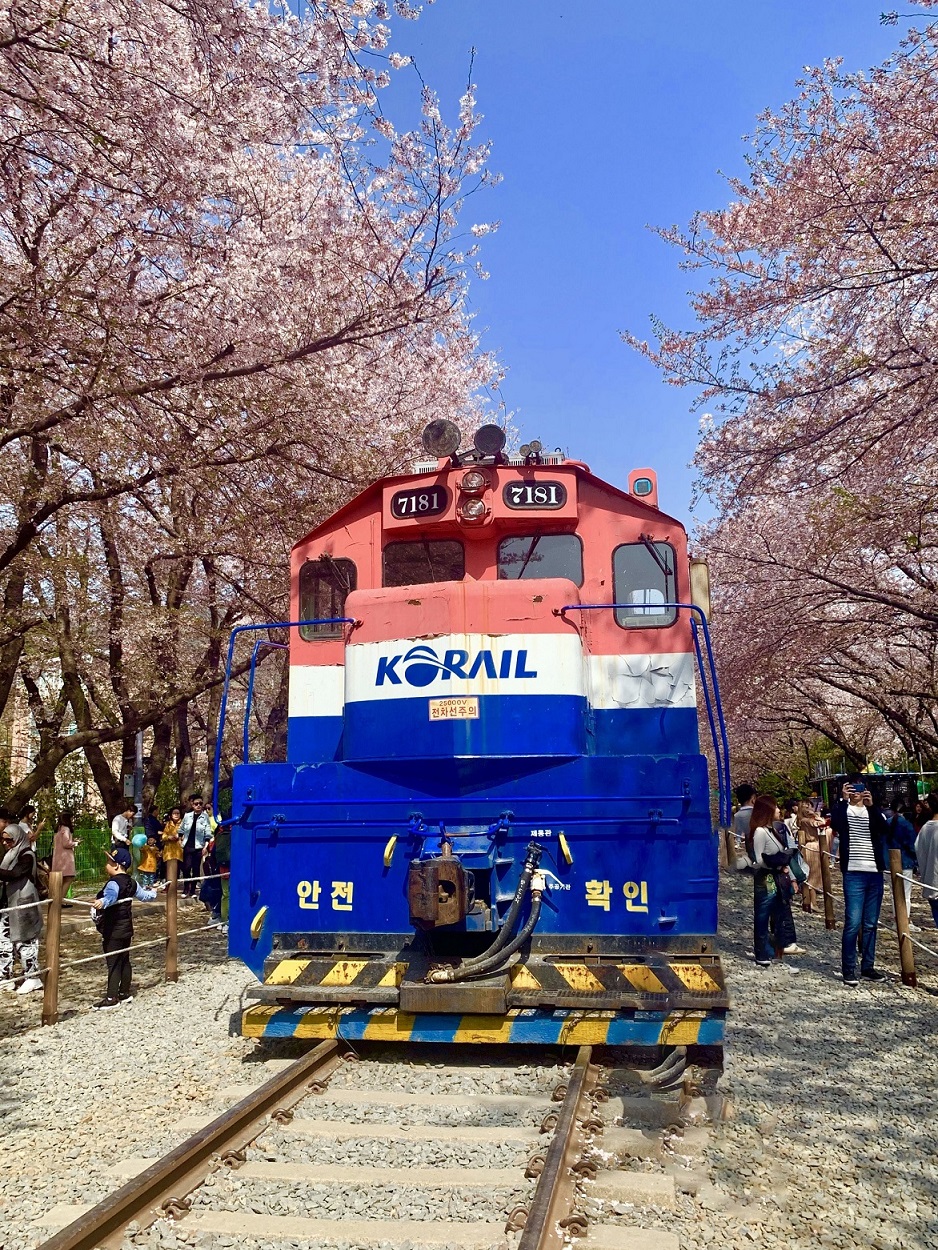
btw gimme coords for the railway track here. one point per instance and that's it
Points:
(263, 1172)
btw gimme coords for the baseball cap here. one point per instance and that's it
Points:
(120, 856)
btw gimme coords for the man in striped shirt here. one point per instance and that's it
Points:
(863, 833)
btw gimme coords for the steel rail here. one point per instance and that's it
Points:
(180, 1171)
(555, 1190)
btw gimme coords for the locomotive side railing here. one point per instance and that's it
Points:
(708, 681)
(223, 710)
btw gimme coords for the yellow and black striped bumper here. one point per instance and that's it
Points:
(658, 983)
(519, 1025)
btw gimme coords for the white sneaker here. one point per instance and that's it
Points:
(791, 970)
(7, 986)
(915, 928)
(795, 949)
(30, 984)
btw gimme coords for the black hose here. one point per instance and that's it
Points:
(498, 960)
(531, 860)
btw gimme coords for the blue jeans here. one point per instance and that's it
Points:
(863, 897)
(765, 903)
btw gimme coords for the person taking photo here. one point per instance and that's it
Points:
(861, 827)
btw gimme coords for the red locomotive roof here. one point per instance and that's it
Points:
(354, 505)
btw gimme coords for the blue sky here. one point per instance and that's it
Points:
(607, 117)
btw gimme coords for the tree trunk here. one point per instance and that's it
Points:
(110, 788)
(185, 768)
(275, 727)
(159, 758)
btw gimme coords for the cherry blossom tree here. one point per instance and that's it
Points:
(232, 294)
(815, 348)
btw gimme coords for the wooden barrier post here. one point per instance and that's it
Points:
(50, 992)
(729, 843)
(824, 842)
(172, 933)
(906, 954)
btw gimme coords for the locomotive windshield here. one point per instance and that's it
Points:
(413, 564)
(541, 555)
(324, 585)
(643, 574)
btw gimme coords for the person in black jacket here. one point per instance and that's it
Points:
(863, 833)
(115, 921)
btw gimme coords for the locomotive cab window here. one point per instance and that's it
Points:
(541, 555)
(416, 563)
(644, 576)
(324, 586)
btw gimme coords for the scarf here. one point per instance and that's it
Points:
(19, 846)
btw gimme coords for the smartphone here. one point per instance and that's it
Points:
(858, 787)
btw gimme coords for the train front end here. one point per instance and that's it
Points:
(494, 820)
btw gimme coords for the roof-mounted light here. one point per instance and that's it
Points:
(441, 438)
(489, 440)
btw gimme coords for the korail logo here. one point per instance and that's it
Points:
(420, 666)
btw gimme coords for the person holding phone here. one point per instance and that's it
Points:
(863, 833)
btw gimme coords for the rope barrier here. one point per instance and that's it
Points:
(137, 946)
(44, 902)
(40, 902)
(883, 928)
(928, 950)
(208, 876)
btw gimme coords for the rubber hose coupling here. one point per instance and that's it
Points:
(437, 976)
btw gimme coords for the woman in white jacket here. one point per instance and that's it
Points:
(926, 852)
(770, 884)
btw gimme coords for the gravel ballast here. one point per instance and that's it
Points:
(834, 1140)
(835, 1096)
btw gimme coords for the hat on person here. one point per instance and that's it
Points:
(120, 856)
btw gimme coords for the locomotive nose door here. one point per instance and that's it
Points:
(468, 670)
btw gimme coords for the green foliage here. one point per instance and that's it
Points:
(167, 793)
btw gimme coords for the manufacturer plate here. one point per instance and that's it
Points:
(454, 709)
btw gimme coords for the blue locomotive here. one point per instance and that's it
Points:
(494, 820)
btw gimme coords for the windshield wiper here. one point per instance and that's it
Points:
(535, 541)
(661, 563)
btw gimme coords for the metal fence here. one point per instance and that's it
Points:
(89, 857)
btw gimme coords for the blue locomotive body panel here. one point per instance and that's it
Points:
(638, 821)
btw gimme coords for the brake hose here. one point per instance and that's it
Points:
(496, 958)
(532, 858)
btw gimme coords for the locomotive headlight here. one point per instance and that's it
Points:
(473, 482)
(472, 511)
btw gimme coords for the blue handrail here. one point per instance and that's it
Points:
(708, 704)
(222, 712)
(721, 747)
(259, 645)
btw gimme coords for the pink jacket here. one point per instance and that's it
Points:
(63, 852)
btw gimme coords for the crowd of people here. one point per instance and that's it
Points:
(135, 868)
(783, 852)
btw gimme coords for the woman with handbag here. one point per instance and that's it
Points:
(809, 825)
(772, 887)
(20, 913)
